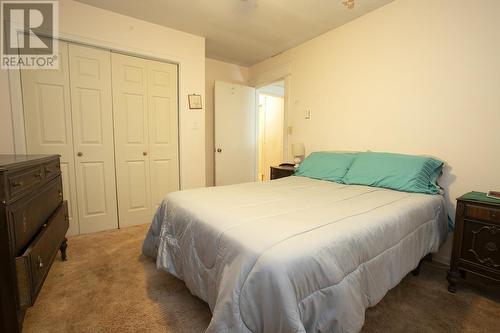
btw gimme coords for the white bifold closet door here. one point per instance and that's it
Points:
(69, 112)
(146, 135)
(113, 120)
(47, 122)
(92, 115)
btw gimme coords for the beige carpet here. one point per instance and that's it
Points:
(108, 286)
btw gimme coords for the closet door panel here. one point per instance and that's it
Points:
(92, 114)
(137, 176)
(131, 123)
(48, 123)
(162, 183)
(163, 130)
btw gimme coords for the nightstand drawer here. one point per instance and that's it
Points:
(482, 213)
(476, 239)
(481, 244)
(282, 171)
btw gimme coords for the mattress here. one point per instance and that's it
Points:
(293, 254)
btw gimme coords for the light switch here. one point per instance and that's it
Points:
(307, 114)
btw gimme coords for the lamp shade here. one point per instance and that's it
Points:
(298, 149)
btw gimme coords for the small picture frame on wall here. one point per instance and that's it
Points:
(195, 102)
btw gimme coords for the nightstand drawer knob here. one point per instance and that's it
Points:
(219, 150)
(494, 215)
(490, 246)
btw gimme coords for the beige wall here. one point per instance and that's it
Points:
(110, 30)
(6, 135)
(415, 76)
(217, 71)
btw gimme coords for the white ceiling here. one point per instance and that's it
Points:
(244, 31)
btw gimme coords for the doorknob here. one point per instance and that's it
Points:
(145, 153)
(79, 153)
(219, 150)
(40, 262)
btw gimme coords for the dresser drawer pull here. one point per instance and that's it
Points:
(40, 262)
(17, 184)
(49, 170)
(494, 215)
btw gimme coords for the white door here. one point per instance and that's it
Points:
(235, 134)
(47, 114)
(92, 115)
(146, 135)
(163, 130)
(130, 109)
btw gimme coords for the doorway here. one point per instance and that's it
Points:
(270, 120)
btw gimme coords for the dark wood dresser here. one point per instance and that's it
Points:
(476, 240)
(281, 171)
(33, 226)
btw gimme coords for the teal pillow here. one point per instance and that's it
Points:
(330, 166)
(406, 173)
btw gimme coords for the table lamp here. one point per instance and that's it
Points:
(298, 152)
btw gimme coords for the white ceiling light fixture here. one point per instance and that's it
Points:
(349, 3)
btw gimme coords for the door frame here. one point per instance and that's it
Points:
(286, 107)
(16, 99)
(283, 134)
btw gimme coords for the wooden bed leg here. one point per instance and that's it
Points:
(64, 246)
(453, 278)
(416, 271)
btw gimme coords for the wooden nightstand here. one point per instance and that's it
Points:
(282, 171)
(476, 242)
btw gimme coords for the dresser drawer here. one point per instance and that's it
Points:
(25, 217)
(481, 244)
(32, 267)
(52, 169)
(22, 180)
(487, 214)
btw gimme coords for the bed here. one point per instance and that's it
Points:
(294, 254)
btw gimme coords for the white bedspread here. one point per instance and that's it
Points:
(293, 254)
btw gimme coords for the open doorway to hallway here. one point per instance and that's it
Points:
(271, 111)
